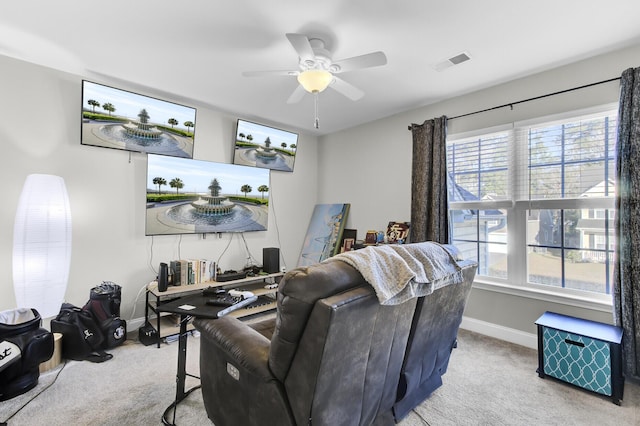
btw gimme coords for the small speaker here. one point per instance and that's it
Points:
(148, 335)
(271, 260)
(163, 277)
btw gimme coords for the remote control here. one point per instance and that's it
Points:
(240, 304)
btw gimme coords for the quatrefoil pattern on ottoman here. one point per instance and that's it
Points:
(576, 359)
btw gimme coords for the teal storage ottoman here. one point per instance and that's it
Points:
(584, 353)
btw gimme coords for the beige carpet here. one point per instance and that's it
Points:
(489, 382)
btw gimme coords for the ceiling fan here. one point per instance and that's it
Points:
(317, 70)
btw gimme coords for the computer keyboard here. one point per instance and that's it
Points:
(223, 300)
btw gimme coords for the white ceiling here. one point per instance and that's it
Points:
(194, 51)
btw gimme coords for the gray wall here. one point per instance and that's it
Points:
(40, 133)
(370, 167)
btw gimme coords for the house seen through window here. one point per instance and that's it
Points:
(534, 205)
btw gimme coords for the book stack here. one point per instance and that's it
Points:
(192, 271)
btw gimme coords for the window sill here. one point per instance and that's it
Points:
(602, 303)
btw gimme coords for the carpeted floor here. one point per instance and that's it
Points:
(489, 382)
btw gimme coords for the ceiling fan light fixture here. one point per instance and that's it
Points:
(315, 81)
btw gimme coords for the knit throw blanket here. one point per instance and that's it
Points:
(400, 272)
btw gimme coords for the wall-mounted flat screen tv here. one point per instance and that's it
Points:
(114, 118)
(186, 196)
(262, 146)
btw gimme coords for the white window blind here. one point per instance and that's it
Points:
(567, 159)
(479, 167)
(534, 204)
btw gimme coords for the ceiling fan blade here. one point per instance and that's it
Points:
(347, 89)
(363, 61)
(301, 44)
(270, 73)
(297, 95)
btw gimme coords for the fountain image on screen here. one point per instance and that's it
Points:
(186, 196)
(118, 119)
(262, 146)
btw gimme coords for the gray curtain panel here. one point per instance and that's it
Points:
(429, 216)
(626, 287)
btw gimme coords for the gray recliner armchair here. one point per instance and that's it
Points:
(335, 356)
(434, 334)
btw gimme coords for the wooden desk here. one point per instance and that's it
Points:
(187, 307)
(156, 298)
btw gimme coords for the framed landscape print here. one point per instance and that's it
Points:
(118, 119)
(263, 146)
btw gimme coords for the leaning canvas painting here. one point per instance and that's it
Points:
(324, 233)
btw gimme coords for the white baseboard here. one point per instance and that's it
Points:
(511, 335)
(507, 334)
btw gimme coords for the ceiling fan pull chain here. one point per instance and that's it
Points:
(316, 122)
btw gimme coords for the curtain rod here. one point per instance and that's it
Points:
(511, 104)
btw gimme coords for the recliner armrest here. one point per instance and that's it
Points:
(235, 375)
(244, 346)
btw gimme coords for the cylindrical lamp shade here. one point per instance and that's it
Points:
(42, 244)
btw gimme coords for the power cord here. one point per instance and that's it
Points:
(424, 421)
(151, 257)
(275, 220)
(4, 423)
(250, 259)
(225, 250)
(135, 302)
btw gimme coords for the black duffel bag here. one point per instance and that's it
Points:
(82, 337)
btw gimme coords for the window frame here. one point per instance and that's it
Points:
(516, 282)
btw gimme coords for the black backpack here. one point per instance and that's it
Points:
(104, 305)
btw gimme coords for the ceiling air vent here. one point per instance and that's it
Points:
(454, 60)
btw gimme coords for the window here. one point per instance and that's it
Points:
(478, 170)
(534, 204)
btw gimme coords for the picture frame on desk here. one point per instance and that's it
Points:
(349, 236)
(398, 232)
(348, 245)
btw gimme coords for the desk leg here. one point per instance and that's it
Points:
(181, 373)
(158, 325)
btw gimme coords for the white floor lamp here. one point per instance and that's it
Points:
(42, 244)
